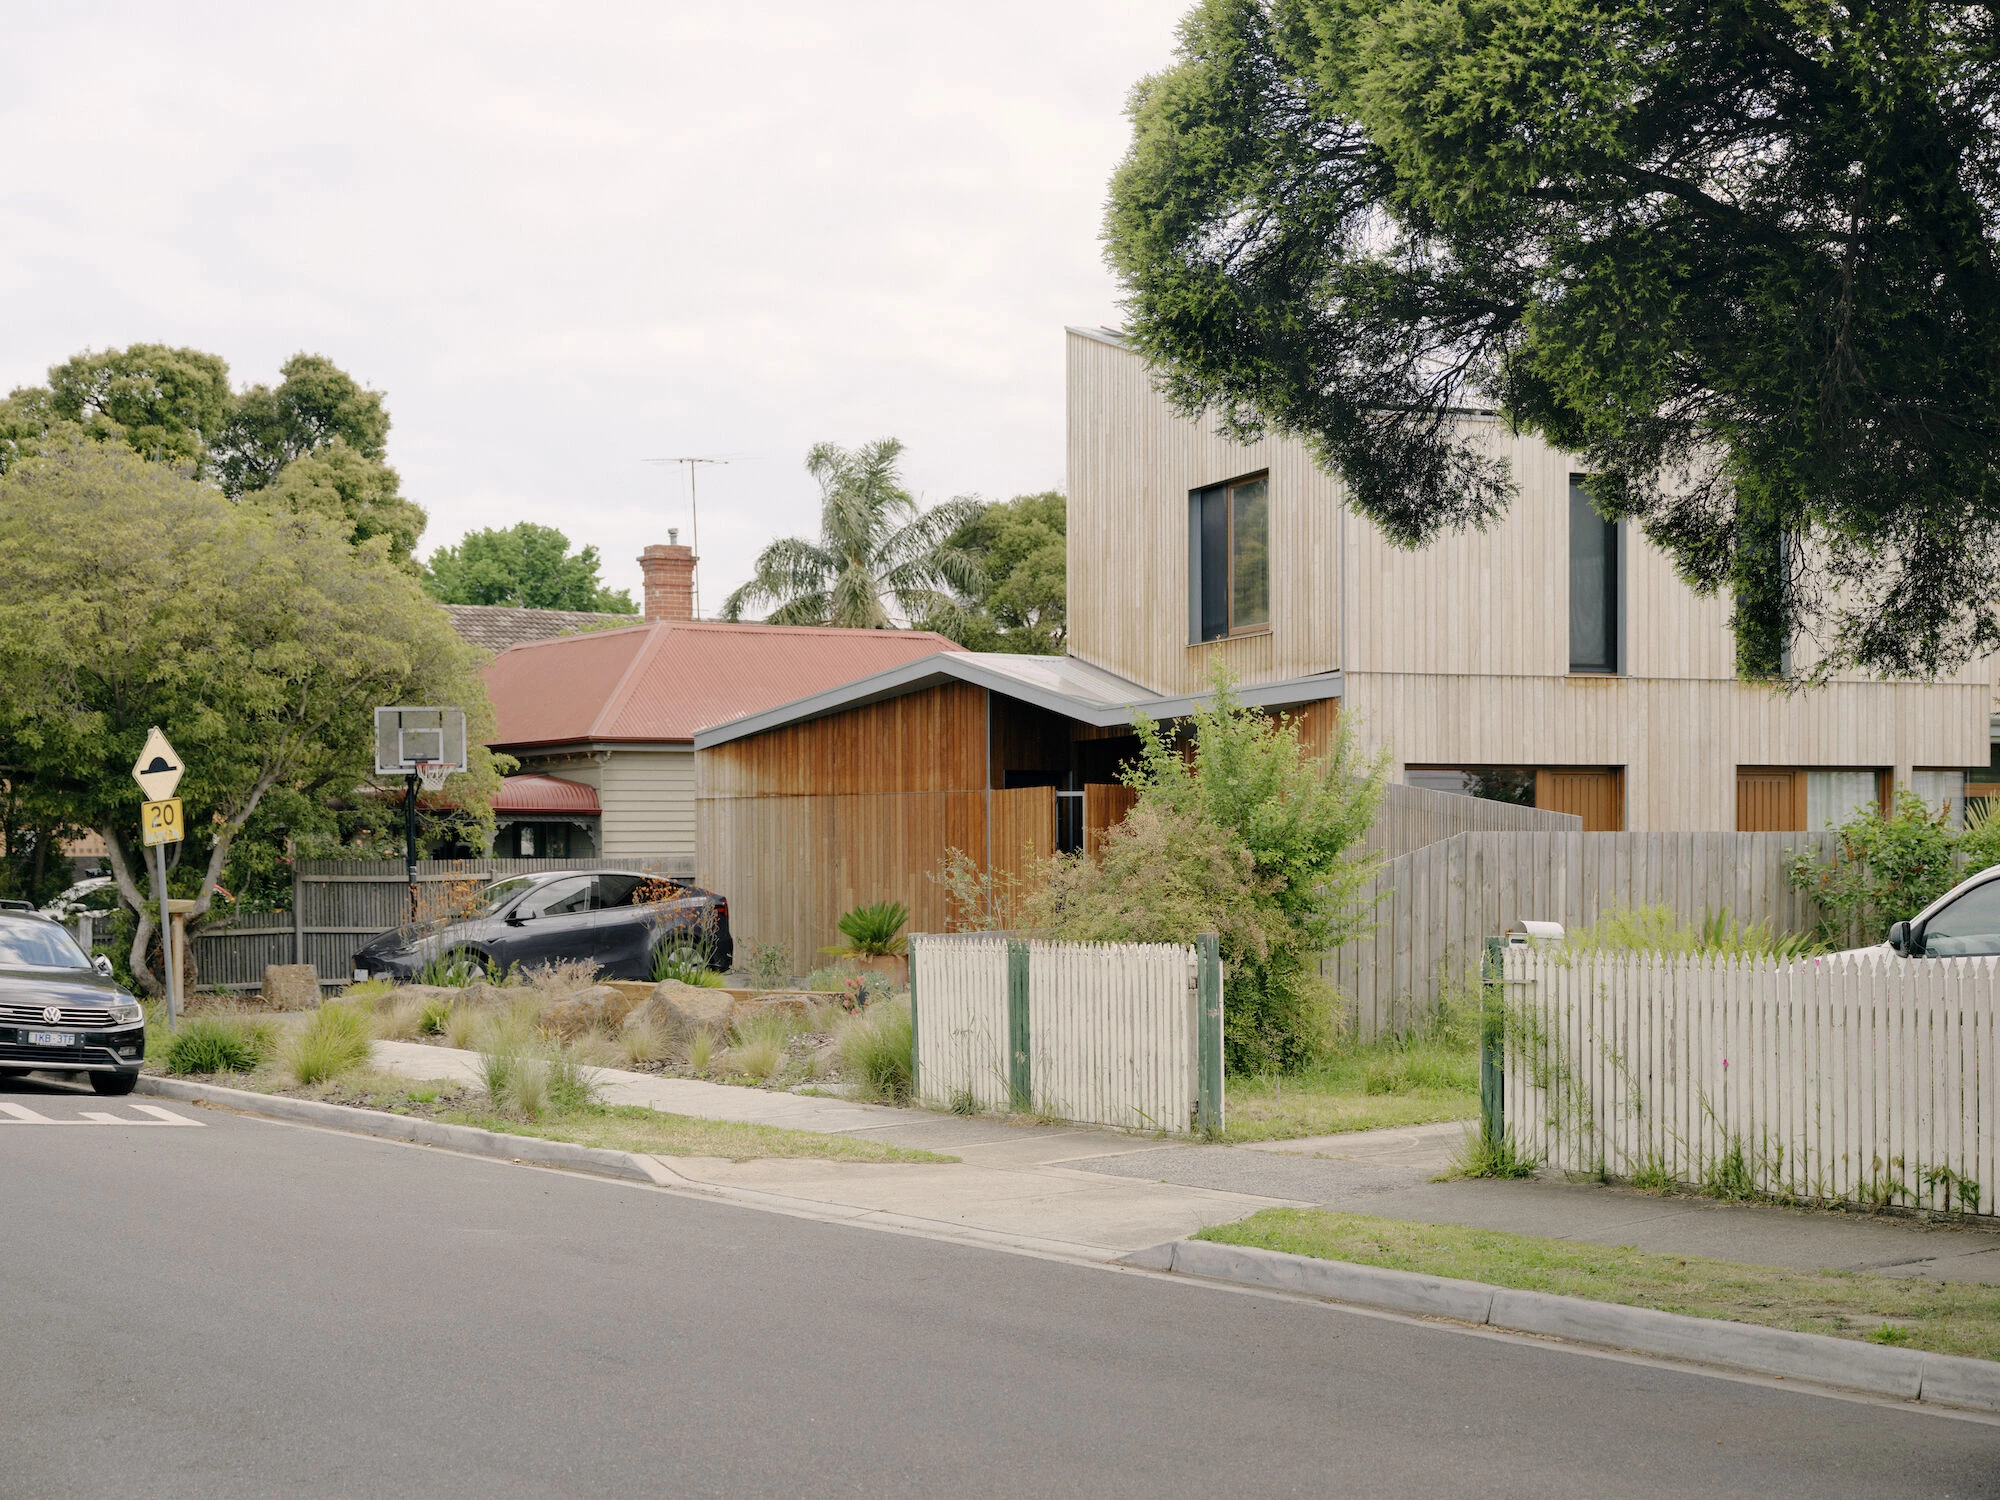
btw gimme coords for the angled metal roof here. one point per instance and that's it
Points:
(1064, 685)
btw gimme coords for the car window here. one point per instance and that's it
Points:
(557, 898)
(38, 945)
(1970, 925)
(500, 893)
(615, 891)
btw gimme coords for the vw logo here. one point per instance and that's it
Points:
(51, 1013)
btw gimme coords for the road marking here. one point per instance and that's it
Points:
(20, 1114)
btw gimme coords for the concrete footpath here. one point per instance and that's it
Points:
(1102, 1194)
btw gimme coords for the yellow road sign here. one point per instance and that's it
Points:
(161, 822)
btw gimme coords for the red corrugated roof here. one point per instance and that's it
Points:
(666, 679)
(545, 794)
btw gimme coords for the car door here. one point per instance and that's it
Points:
(623, 940)
(550, 924)
(1968, 927)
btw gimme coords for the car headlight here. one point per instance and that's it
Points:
(124, 1011)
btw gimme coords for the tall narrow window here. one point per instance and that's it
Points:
(1593, 584)
(1229, 559)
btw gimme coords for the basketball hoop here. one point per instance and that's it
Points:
(432, 774)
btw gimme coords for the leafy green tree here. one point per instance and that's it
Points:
(1740, 257)
(1238, 830)
(314, 405)
(1021, 601)
(315, 442)
(877, 555)
(526, 565)
(259, 640)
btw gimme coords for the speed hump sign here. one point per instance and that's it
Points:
(160, 822)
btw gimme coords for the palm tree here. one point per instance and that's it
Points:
(878, 556)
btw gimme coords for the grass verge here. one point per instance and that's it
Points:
(1944, 1317)
(620, 1127)
(1362, 1087)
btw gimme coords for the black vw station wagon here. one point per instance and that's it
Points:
(614, 918)
(60, 1013)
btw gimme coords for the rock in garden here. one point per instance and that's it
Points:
(291, 986)
(680, 1010)
(600, 1005)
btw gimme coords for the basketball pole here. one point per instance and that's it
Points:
(410, 837)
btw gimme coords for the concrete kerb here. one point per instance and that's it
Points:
(469, 1139)
(1848, 1364)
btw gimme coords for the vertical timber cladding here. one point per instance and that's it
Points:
(803, 822)
(1596, 795)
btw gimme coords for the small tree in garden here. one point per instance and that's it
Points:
(1238, 830)
(1889, 869)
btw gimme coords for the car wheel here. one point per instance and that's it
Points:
(113, 1083)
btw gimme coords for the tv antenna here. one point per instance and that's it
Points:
(694, 515)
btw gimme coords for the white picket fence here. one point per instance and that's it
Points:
(1099, 1033)
(1854, 1079)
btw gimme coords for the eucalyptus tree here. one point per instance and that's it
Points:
(1740, 257)
(879, 556)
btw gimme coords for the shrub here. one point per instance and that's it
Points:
(685, 960)
(830, 980)
(701, 1050)
(1889, 869)
(332, 1042)
(1659, 929)
(571, 1085)
(435, 1017)
(875, 1053)
(461, 1025)
(874, 931)
(1247, 836)
(400, 1020)
(760, 1044)
(216, 1044)
(770, 965)
(643, 1043)
(454, 970)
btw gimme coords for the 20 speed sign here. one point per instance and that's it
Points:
(160, 822)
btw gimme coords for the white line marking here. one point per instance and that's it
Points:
(20, 1114)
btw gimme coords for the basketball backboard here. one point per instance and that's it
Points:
(409, 741)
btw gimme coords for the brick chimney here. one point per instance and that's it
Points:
(669, 574)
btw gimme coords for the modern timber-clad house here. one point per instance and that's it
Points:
(1552, 661)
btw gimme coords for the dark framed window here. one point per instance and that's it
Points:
(1229, 559)
(1594, 576)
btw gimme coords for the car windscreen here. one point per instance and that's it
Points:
(37, 945)
(500, 893)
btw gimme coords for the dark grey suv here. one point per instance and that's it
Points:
(613, 918)
(59, 1013)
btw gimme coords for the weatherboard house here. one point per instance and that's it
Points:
(603, 722)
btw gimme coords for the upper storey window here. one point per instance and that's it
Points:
(1229, 559)
(1593, 584)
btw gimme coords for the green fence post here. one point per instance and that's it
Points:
(1208, 1034)
(915, 1092)
(1492, 1034)
(1020, 1085)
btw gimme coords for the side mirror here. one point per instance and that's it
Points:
(1899, 938)
(102, 963)
(514, 918)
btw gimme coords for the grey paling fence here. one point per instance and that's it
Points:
(1843, 1079)
(1124, 1034)
(338, 905)
(1435, 906)
(1412, 817)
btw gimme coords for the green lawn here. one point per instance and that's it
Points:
(1364, 1087)
(1946, 1317)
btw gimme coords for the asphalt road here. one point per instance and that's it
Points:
(243, 1308)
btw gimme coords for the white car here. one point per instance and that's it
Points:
(1962, 923)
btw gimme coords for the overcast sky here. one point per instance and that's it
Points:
(564, 239)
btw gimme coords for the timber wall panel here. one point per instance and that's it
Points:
(1434, 907)
(932, 740)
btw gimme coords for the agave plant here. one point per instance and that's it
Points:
(874, 931)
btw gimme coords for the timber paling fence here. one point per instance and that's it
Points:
(1121, 1034)
(1864, 1079)
(339, 905)
(1433, 908)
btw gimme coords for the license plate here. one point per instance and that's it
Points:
(53, 1039)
